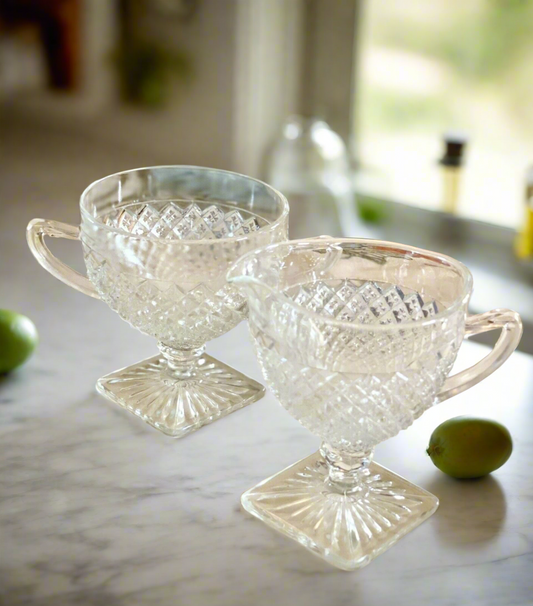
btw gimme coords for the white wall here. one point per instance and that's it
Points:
(197, 127)
(249, 74)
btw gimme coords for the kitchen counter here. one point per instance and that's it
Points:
(97, 508)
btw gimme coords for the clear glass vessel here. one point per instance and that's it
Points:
(309, 163)
(356, 338)
(157, 245)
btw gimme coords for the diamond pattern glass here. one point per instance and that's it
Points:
(183, 220)
(363, 387)
(356, 339)
(157, 244)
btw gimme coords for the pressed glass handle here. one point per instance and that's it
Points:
(35, 233)
(510, 324)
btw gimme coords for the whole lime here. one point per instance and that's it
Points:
(465, 447)
(18, 338)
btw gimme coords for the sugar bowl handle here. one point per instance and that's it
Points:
(35, 233)
(510, 324)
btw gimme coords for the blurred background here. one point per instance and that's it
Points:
(409, 121)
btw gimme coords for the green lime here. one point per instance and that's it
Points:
(465, 447)
(18, 338)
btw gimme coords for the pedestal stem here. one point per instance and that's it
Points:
(182, 363)
(347, 470)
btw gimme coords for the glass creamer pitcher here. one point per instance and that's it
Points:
(356, 338)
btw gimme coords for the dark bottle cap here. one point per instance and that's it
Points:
(454, 146)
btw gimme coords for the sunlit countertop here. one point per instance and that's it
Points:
(97, 508)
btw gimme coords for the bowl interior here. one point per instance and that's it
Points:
(440, 282)
(105, 200)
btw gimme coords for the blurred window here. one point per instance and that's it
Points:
(430, 67)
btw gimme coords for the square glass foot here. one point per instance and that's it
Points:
(347, 530)
(177, 407)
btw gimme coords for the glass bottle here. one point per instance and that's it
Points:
(451, 163)
(524, 240)
(310, 165)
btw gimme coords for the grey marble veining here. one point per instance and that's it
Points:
(96, 508)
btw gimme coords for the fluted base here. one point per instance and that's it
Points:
(346, 528)
(178, 406)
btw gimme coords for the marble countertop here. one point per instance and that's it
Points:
(96, 508)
